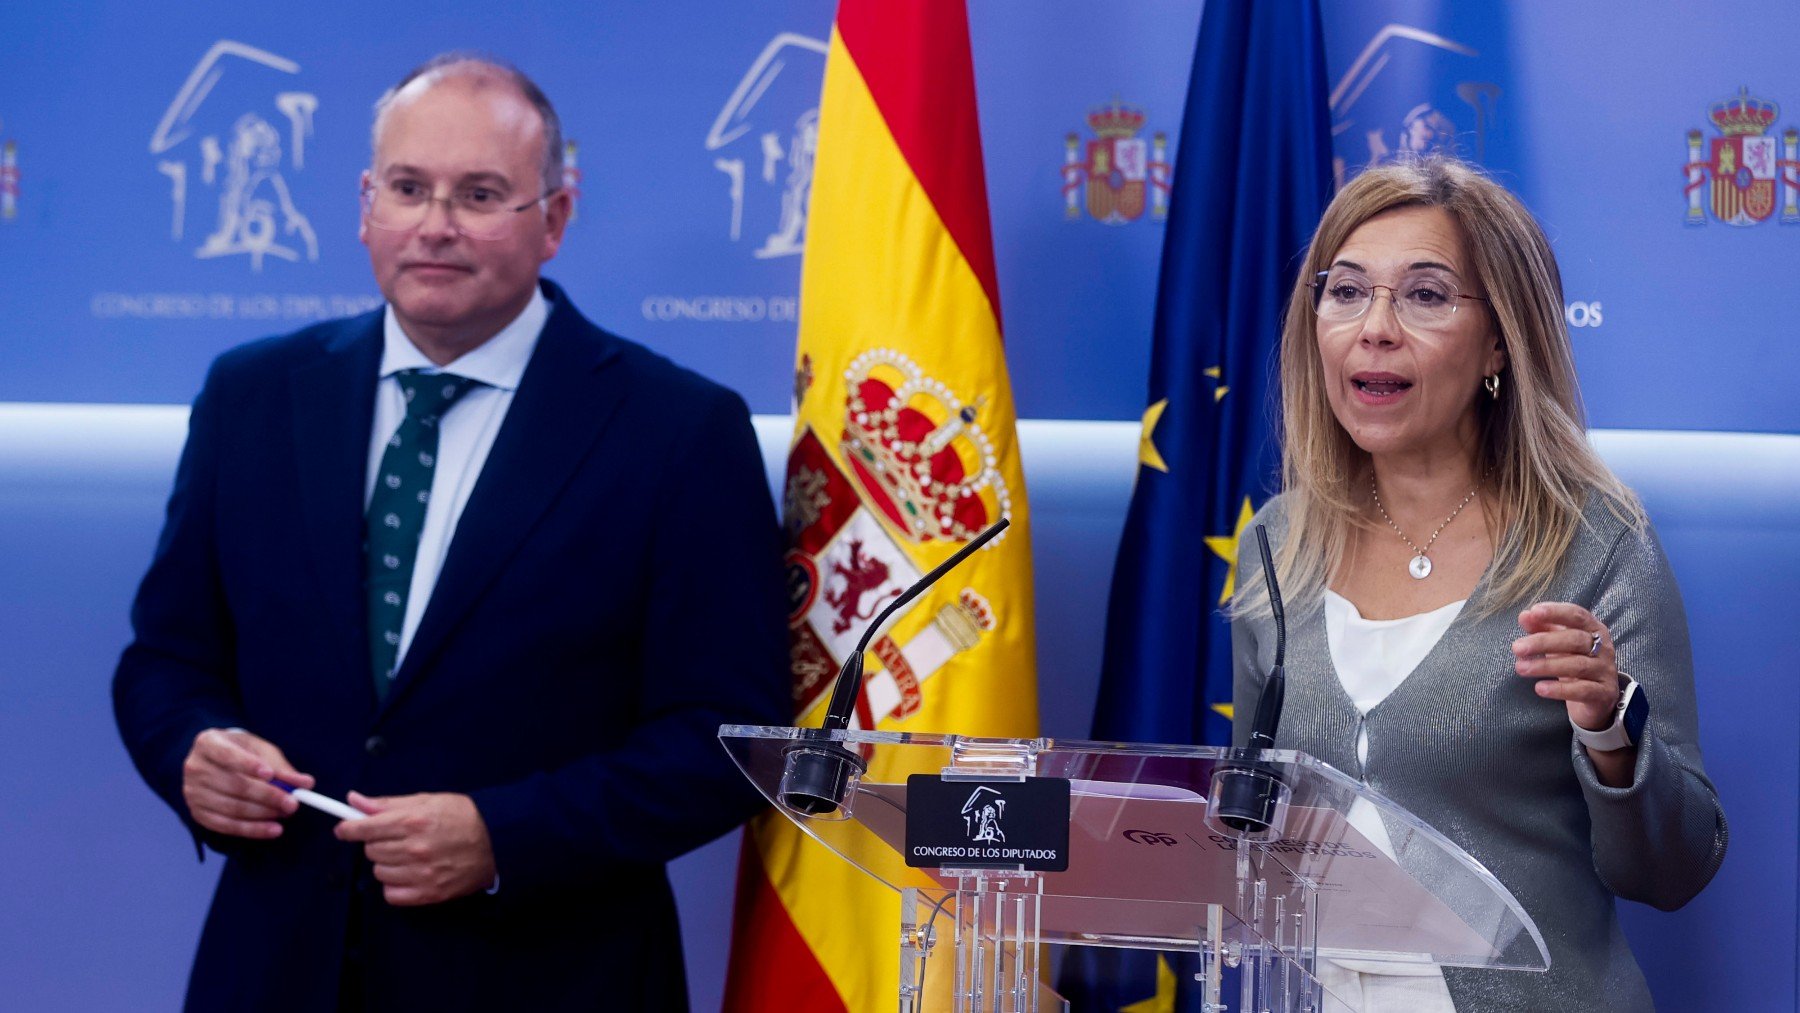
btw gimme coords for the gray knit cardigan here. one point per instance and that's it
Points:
(1467, 745)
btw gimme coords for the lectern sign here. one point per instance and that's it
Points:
(987, 824)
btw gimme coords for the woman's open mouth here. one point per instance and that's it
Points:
(1379, 388)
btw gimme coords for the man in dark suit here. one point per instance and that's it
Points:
(493, 574)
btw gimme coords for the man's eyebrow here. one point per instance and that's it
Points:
(492, 179)
(483, 177)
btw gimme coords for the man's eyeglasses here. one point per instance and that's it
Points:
(1422, 300)
(478, 212)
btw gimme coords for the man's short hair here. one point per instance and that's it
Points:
(482, 63)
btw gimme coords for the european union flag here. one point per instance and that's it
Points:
(1252, 176)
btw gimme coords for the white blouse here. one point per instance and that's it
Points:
(1373, 657)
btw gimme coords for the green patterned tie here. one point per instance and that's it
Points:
(396, 514)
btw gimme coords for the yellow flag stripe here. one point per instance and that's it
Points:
(882, 272)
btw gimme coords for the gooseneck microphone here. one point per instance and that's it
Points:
(817, 777)
(1248, 790)
(1274, 691)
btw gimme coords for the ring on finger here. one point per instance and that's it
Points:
(1594, 647)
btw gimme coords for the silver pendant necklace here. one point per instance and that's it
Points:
(1420, 565)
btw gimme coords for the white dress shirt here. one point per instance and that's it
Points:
(1373, 657)
(465, 435)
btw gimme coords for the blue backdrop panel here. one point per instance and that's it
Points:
(188, 182)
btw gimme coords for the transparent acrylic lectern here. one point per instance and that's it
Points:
(1342, 880)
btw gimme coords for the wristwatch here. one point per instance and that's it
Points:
(1627, 728)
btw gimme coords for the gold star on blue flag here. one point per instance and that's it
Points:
(1148, 455)
(1226, 548)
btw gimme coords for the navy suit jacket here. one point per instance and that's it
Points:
(611, 595)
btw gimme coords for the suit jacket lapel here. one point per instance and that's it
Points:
(333, 409)
(563, 402)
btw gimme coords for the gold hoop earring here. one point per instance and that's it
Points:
(1492, 383)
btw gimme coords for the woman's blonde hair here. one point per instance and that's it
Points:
(1533, 444)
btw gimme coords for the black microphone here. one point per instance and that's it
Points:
(1274, 691)
(818, 770)
(1249, 790)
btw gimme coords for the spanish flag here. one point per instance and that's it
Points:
(904, 449)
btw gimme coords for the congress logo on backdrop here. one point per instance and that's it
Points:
(1409, 92)
(1117, 172)
(230, 143)
(1740, 175)
(9, 176)
(763, 141)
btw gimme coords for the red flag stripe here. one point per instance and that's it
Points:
(930, 110)
(772, 969)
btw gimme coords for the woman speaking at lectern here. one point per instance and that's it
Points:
(1481, 622)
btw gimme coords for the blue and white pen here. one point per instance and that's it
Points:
(324, 804)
